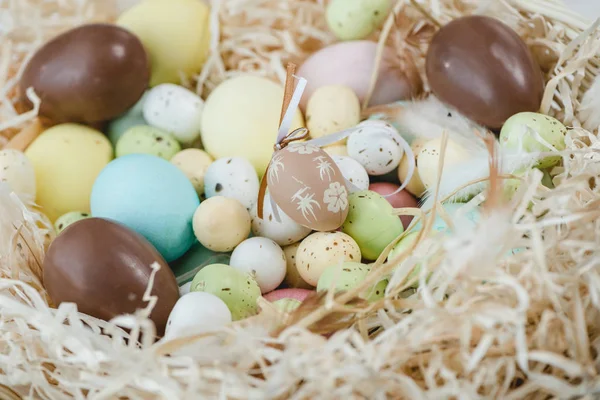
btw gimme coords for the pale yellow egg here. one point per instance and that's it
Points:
(221, 223)
(336, 150)
(193, 163)
(292, 276)
(331, 109)
(429, 159)
(415, 186)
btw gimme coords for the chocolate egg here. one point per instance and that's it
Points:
(104, 268)
(89, 74)
(483, 68)
(308, 186)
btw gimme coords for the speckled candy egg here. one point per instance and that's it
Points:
(292, 276)
(429, 159)
(232, 177)
(371, 223)
(221, 223)
(415, 186)
(308, 186)
(263, 259)
(356, 19)
(68, 219)
(194, 163)
(144, 139)
(349, 275)
(376, 146)
(18, 172)
(174, 109)
(133, 117)
(322, 249)
(283, 233)
(353, 171)
(332, 109)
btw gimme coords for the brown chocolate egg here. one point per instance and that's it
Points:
(104, 268)
(483, 68)
(89, 74)
(307, 185)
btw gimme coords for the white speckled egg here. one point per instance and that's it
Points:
(194, 163)
(174, 109)
(323, 249)
(263, 259)
(232, 177)
(353, 171)
(283, 233)
(376, 146)
(292, 276)
(429, 158)
(221, 223)
(18, 172)
(196, 313)
(330, 109)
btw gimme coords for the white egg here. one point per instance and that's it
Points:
(283, 233)
(196, 313)
(232, 177)
(263, 259)
(185, 288)
(376, 145)
(353, 171)
(17, 171)
(174, 109)
(429, 159)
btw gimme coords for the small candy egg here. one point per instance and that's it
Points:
(69, 218)
(332, 109)
(283, 233)
(237, 289)
(292, 276)
(520, 133)
(376, 146)
(348, 276)
(232, 177)
(322, 249)
(221, 223)
(194, 163)
(287, 305)
(402, 246)
(151, 196)
(144, 139)
(263, 259)
(176, 110)
(67, 159)
(415, 186)
(175, 33)
(429, 158)
(196, 313)
(353, 171)
(196, 258)
(356, 19)
(133, 117)
(336, 150)
(296, 294)
(18, 172)
(371, 223)
(402, 199)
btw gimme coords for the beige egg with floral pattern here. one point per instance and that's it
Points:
(307, 185)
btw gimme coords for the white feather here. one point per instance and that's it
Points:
(589, 112)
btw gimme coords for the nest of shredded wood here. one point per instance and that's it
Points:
(487, 324)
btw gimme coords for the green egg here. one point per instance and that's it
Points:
(133, 117)
(371, 223)
(348, 276)
(237, 289)
(69, 218)
(144, 139)
(287, 305)
(402, 245)
(512, 185)
(356, 19)
(518, 133)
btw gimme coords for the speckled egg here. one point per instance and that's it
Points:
(356, 19)
(221, 223)
(308, 186)
(376, 146)
(429, 159)
(69, 218)
(292, 276)
(18, 172)
(176, 110)
(144, 139)
(194, 163)
(347, 276)
(332, 109)
(133, 117)
(283, 233)
(415, 186)
(322, 249)
(232, 177)
(263, 259)
(353, 171)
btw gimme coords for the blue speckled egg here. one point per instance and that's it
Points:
(151, 196)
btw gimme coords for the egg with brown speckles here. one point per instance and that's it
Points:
(376, 145)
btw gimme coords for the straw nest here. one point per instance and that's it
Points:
(485, 325)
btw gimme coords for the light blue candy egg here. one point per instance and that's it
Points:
(151, 196)
(439, 224)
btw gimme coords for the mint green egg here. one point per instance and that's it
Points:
(371, 223)
(133, 117)
(348, 276)
(519, 130)
(68, 219)
(287, 304)
(402, 246)
(512, 185)
(237, 289)
(356, 19)
(144, 139)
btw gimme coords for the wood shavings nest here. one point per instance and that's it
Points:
(486, 321)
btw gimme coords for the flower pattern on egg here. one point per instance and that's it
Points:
(302, 148)
(336, 197)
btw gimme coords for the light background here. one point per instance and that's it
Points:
(588, 8)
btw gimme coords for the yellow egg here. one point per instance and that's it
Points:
(241, 119)
(66, 159)
(331, 109)
(415, 186)
(292, 276)
(429, 159)
(194, 163)
(336, 150)
(175, 34)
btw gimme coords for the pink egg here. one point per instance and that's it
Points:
(402, 199)
(292, 293)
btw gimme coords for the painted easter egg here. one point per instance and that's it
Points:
(283, 232)
(308, 186)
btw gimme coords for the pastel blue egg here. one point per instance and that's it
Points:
(151, 196)
(439, 224)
